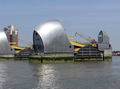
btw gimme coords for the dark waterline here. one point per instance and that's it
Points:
(85, 75)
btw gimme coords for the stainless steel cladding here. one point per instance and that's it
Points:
(103, 37)
(5, 48)
(103, 41)
(50, 37)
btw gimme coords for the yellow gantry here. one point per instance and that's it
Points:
(18, 49)
(78, 44)
(89, 40)
(12, 43)
(70, 37)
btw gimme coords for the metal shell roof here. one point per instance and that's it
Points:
(5, 48)
(103, 41)
(53, 37)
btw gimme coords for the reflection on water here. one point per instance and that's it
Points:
(75, 75)
(3, 69)
(85, 75)
(46, 77)
(16, 75)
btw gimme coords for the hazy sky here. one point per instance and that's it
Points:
(87, 17)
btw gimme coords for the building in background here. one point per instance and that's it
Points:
(12, 35)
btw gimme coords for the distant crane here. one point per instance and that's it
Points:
(89, 40)
(80, 45)
(93, 42)
(28, 43)
(18, 49)
(77, 45)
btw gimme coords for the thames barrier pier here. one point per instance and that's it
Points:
(100, 50)
(50, 43)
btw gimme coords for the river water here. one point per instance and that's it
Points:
(84, 75)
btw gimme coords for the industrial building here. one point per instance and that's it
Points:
(104, 45)
(50, 41)
(50, 37)
(12, 35)
(5, 48)
(101, 48)
(88, 52)
(103, 41)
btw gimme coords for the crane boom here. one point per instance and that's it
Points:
(91, 41)
(30, 44)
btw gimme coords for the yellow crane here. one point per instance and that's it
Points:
(18, 49)
(71, 37)
(28, 43)
(76, 44)
(80, 45)
(93, 42)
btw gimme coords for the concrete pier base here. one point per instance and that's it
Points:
(44, 58)
(7, 56)
(107, 55)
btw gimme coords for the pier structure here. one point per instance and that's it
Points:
(104, 45)
(50, 39)
(102, 49)
(50, 43)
